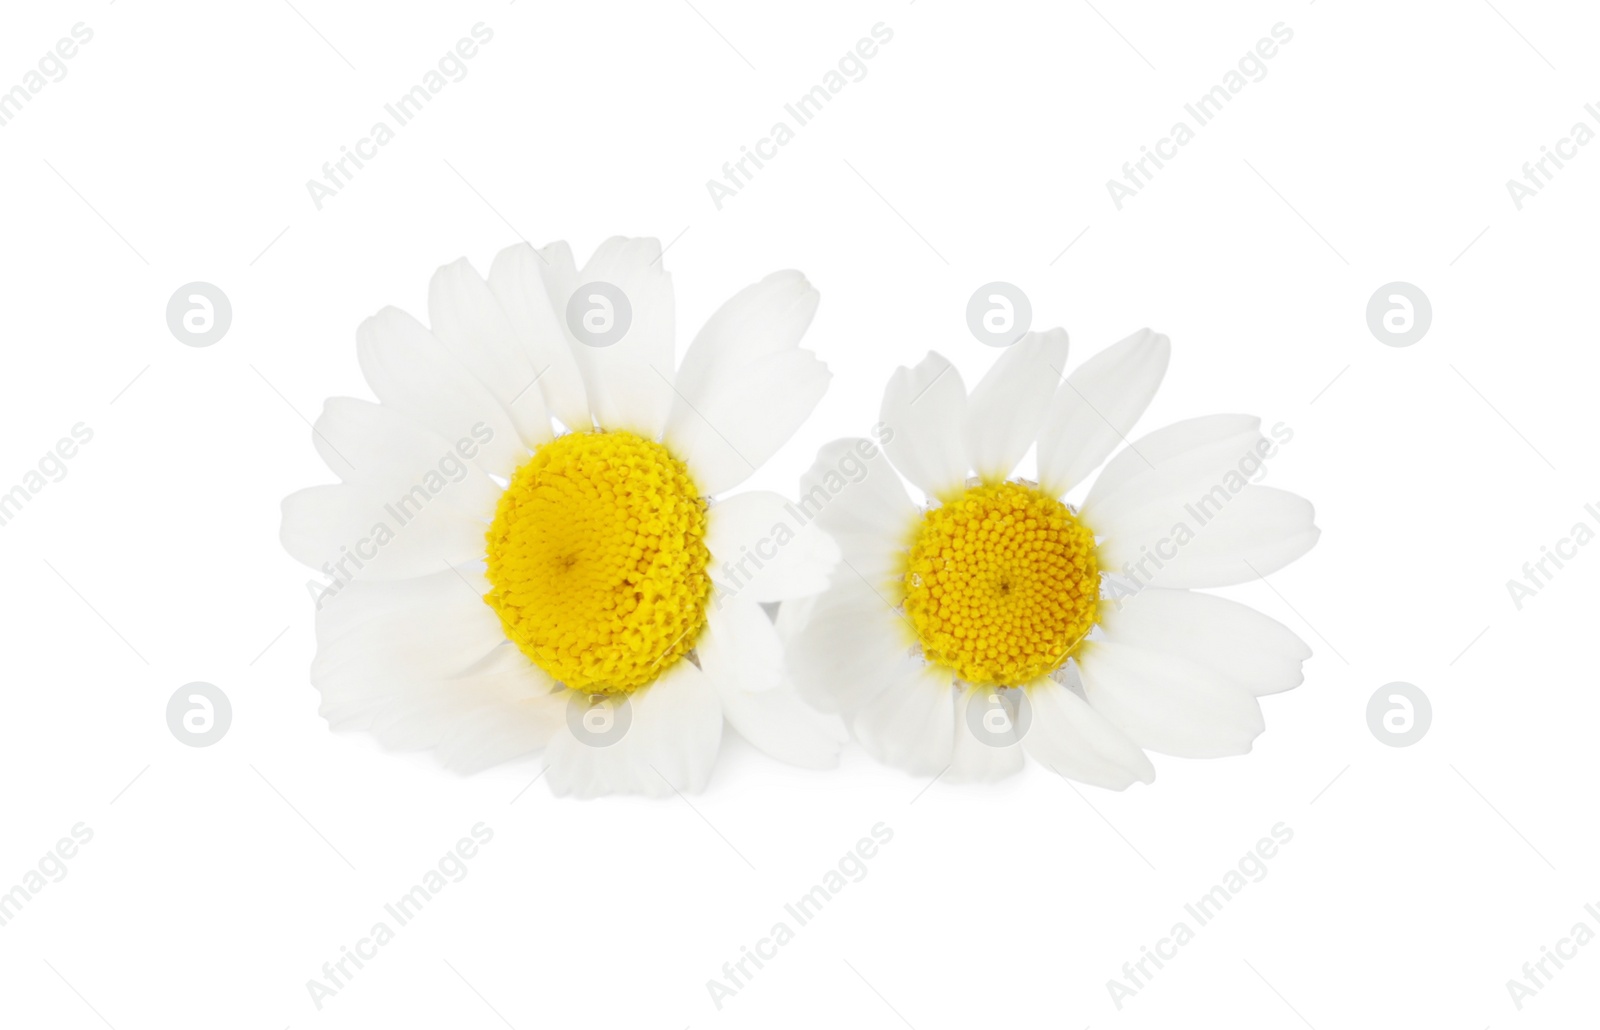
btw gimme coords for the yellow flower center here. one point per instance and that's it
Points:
(598, 561)
(1002, 585)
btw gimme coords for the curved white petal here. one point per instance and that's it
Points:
(912, 723)
(671, 742)
(1230, 639)
(1071, 738)
(500, 710)
(763, 550)
(740, 648)
(1097, 406)
(742, 655)
(520, 287)
(432, 626)
(366, 533)
(629, 382)
(376, 445)
(1009, 404)
(416, 664)
(844, 647)
(855, 494)
(1186, 458)
(780, 724)
(410, 370)
(465, 317)
(1216, 540)
(745, 385)
(925, 410)
(990, 754)
(1167, 704)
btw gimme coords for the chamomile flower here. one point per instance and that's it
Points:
(522, 550)
(997, 619)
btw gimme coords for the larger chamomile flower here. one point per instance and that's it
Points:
(503, 582)
(995, 619)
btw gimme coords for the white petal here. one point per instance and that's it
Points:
(780, 724)
(491, 735)
(740, 648)
(389, 537)
(912, 723)
(742, 655)
(980, 758)
(1097, 406)
(925, 408)
(430, 627)
(1232, 640)
(745, 386)
(347, 608)
(1216, 541)
(671, 743)
(410, 370)
(1188, 457)
(520, 288)
(845, 646)
(854, 493)
(762, 549)
(1168, 704)
(1009, 405)
(466, 318)
(377, 446)
(677, 727)
(558, 271)
(629, 382)
(502, 709)
(415, 663)
(1069, 737)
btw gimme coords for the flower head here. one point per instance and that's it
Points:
(995, 618)
(528, 548)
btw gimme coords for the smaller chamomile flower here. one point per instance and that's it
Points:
(995, 619)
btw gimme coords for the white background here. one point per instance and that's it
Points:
(220, 879)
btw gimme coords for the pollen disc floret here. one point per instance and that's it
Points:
(597, 561)
(1002, 584)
